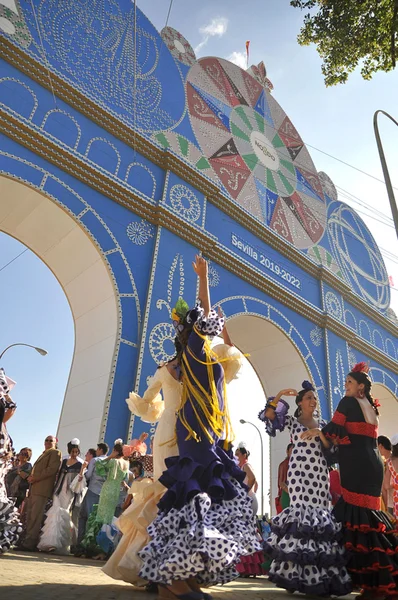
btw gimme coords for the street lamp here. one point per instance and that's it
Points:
(387, 179)
(262, 462)
(39, 350)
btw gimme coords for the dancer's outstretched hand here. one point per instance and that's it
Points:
(200, 266)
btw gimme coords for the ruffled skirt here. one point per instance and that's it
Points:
(205, 523)
(371, 540)
(306, 552)
(10, 525)
(125, 562)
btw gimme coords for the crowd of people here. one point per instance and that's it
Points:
(183, 517)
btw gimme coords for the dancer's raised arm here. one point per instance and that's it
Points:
(269, 411)
(201, 269)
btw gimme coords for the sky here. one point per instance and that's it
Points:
(336, 120)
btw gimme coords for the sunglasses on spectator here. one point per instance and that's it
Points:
(49, 440)
(24, 453)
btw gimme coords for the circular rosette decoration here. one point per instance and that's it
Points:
(255, 150)
(358, 255)
(161, 342)
(179, 47)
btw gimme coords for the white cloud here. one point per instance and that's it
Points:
(238, 58)
(216, 27)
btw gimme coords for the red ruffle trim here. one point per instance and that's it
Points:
(339, 418)
(363, 500)
(391, 588)
(365, 550)
(366, 429)
(366, 528)
(337, 439)
(374, 567)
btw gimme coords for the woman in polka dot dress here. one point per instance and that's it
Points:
(307, 556)
(205, 522)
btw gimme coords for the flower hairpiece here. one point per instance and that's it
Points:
(361, 367)
(307, 386)
(376, 403)
(178, 314)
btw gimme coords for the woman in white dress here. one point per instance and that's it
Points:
(57, 532)
(151, 408)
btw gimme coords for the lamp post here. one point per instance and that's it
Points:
(39, 350)
(262, 462)
(387, 179)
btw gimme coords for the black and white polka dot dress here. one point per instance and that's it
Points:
(307, 556)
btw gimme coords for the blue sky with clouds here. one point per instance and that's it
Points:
(336, 120)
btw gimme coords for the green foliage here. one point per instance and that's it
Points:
(348, 33)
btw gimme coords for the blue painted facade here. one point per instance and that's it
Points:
(110, 52)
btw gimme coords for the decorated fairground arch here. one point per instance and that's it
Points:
(121, 155)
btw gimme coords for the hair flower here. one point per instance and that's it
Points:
(307, 386)
(361, 367)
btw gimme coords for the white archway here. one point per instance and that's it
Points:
(278, 365)
(59, 241)
(388, 423)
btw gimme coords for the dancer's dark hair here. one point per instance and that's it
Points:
(384, 441)
(118, 447)
(243, 451)
(306, 387)
(139, 465)
(72, 447)
(362, 377)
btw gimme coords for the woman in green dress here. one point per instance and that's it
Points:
(115, 468)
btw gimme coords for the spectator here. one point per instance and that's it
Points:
(387, 500)
(384, 446)
(95, 481)
(390, 482)
(138, 472)
(41, 481)
(283, 500)
(57, 532)
(250, 480)
(114, 468)
(17, 478)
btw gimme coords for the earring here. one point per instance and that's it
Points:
(361, 394)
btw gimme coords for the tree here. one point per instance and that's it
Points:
(348, 33)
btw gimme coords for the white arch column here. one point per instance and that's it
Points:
(59, 241)
(278, 365)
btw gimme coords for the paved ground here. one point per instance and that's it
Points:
(36, 576)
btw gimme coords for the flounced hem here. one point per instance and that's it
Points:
(185, 478)
(204, 540)
(331, 587)
(57, 530)
(10, 526)
(369, 536)
(89, 542)
(308, 522)
(334, 556)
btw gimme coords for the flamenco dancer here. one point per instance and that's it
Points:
(10, 525)
(367, 531)
(125, 562)
(307, 556)
(205, 521)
